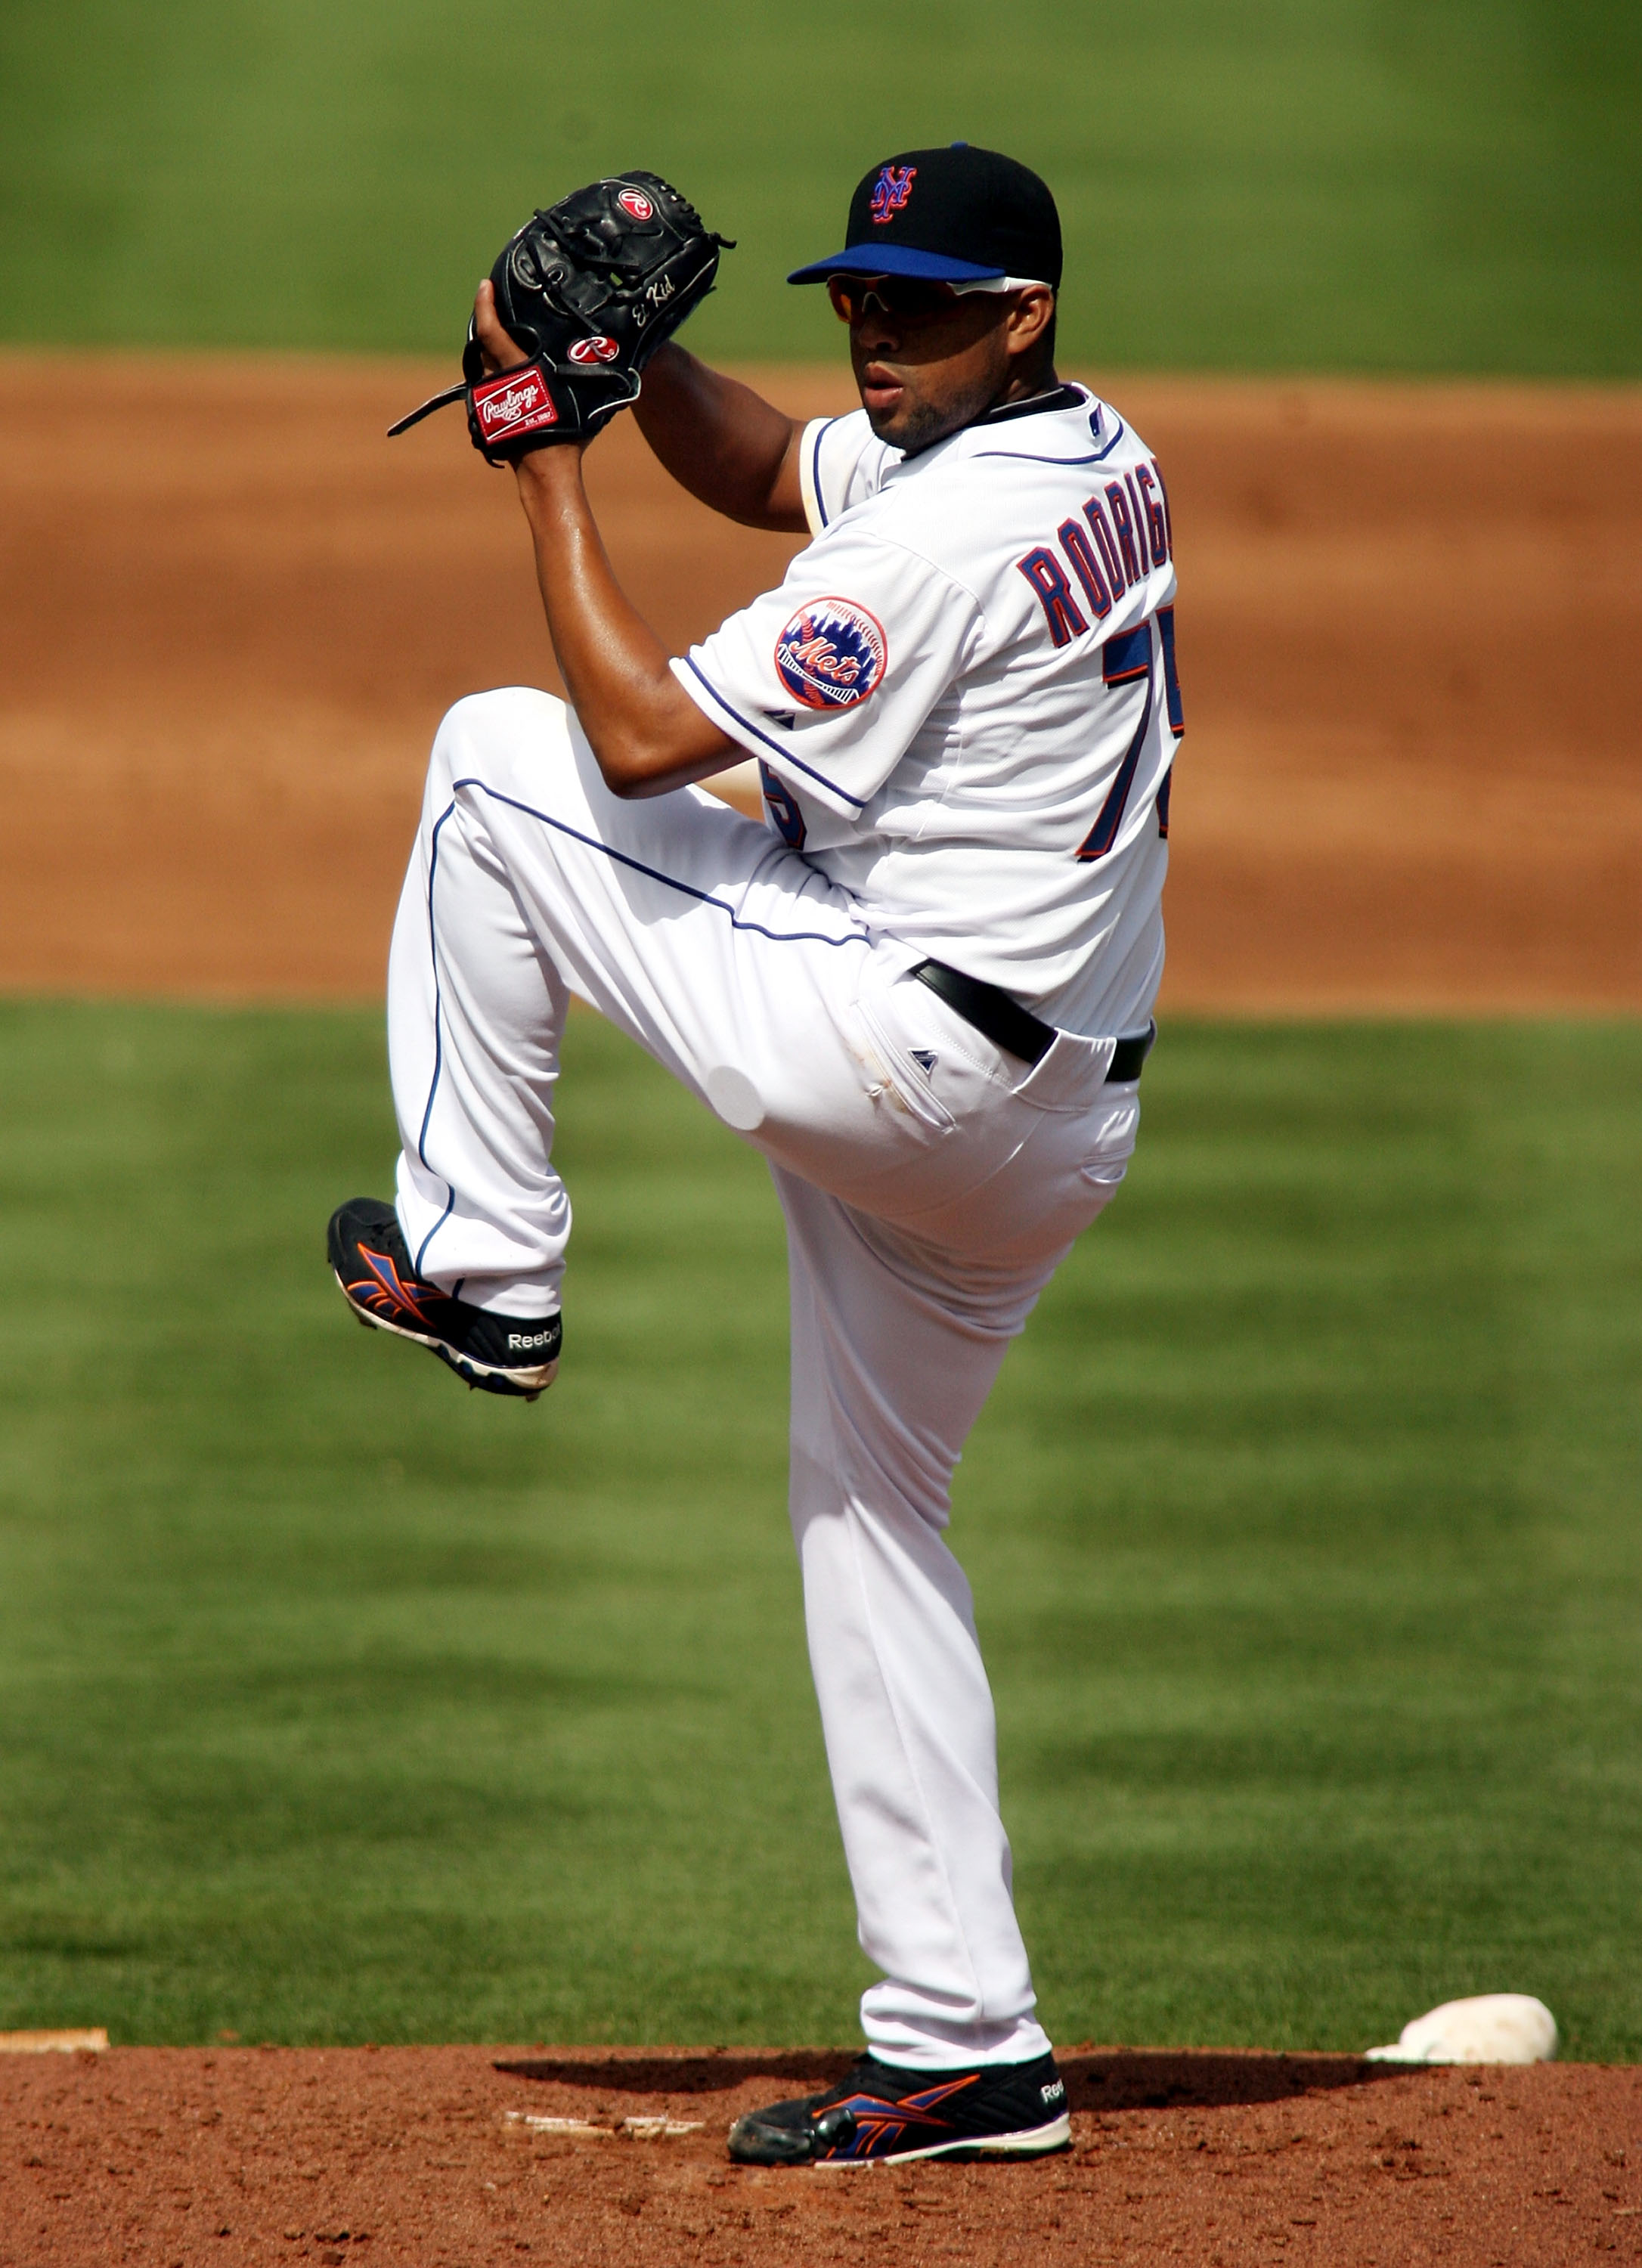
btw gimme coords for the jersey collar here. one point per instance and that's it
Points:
(1057, 397)
(984, 438)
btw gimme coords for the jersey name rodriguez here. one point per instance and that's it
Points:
(963, 698)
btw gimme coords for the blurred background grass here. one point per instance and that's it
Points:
(1375, 184)
(339, 1704)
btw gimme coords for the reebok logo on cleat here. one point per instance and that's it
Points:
(1054, 2092)
(371, 1263)
(385, 1291)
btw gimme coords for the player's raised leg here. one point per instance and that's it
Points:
(473, 1051)
(476, 1010)
(697, 932)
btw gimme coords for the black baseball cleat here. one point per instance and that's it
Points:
(881, 2114)
(373, 1264)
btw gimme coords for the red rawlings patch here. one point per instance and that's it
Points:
(599, 349)
(634, 202)
(514, 402)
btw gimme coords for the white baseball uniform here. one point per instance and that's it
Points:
(963, 700)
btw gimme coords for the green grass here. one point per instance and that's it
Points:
(1395, 185)
(340, 1705)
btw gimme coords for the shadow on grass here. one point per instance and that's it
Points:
(1097, 2079)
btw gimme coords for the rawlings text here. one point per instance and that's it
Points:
(517, 402)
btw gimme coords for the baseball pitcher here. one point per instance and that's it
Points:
(922, 987)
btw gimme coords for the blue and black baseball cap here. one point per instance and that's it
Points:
(955, 216)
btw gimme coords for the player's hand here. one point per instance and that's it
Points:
(501, 350)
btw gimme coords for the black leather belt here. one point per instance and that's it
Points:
(1010, 1025)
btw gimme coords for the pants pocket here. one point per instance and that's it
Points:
(1112, 1144)
(892, 1062)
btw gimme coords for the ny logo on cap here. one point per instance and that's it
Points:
(891, 190)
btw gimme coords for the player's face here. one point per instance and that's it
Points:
(928, 361)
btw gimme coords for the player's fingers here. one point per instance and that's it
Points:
(500, 352)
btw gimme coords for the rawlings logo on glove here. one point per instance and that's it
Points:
(588, 290)
(515, 402)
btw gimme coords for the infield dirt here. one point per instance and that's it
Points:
(428, 2155)
(1411, 631)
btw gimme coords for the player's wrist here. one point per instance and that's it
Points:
(549, 472)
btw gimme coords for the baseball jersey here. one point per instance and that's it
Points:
(963, 701)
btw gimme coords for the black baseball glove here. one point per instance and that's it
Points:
(589, 290)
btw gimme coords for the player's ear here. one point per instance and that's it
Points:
(1031, 326)
(1030, 315)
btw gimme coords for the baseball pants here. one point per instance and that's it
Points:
(930, 1184)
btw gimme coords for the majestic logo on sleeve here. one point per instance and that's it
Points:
(832, 655)
(891, 190)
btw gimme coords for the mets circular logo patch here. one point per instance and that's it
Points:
(634, 203)
(596, 349)
(831, 654)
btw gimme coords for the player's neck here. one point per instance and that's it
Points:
(1027, 387)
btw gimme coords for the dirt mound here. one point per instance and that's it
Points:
(1410, 633)
(423, 2155)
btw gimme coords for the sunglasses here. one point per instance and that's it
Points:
(904, 299)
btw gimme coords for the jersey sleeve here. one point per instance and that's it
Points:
(840, 464)
(828, 678)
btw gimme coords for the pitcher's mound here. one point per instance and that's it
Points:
(587, 2155)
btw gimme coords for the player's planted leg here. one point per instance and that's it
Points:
(889, 1374)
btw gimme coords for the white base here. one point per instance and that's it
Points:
(54, 2043)
(1493, 2028)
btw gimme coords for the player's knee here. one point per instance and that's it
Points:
(505, 738)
